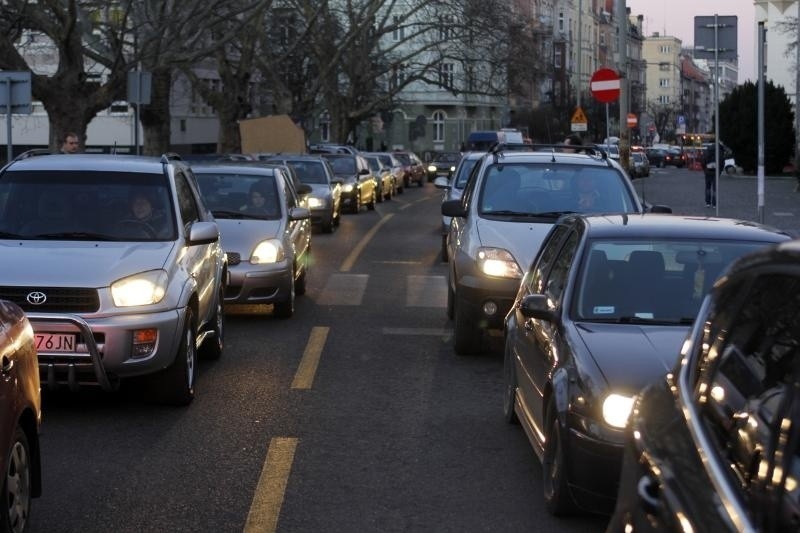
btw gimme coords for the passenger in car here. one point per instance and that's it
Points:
(587, 195)
(260, 202)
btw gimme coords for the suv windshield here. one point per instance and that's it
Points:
(540, 189)
(86, 205)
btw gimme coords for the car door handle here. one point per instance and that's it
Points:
(7, 365)
(647, 491)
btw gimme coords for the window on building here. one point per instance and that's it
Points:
(665, 49)
(398, 75)
(561, 21)
(446, 29)
(557, 58)
(663, 82)
(446, 75)
(398, 33)
(325, 127)
(438, 126)
(663, 99)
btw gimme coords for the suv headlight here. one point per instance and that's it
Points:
(269, 251)
(617, 409)
(316, 202)
(145, 288)
(498, 263)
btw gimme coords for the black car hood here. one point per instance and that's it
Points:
(632, 356)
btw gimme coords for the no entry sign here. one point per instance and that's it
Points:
(605, 85)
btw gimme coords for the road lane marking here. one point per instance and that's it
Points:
(344, 289)
(424, 199)
(308, 364)
(355, 252)
(268, 498)
(426, 291)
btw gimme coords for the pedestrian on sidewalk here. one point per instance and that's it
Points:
(710, 171)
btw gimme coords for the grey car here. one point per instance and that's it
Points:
(265, 232)
(325, 198)
(453, 186)
(110, 293)
(511, 201)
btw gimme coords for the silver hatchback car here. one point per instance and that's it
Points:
(265, 232)
(117, 262)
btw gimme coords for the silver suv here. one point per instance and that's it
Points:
(117, 262)
(512, 198)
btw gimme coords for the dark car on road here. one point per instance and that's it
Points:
(656, 156)
(443, 164)
(715, 445)
(601, 313)
(20, 405)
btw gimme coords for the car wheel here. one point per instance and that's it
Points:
(466, 334)
(329, 225)
(356, 206)
(373, 199)
(379, 194)
(285, 309)
(213, 345)
(557, 498)
(17, 486)
(300, 284)
(510, 391)
(175, 384)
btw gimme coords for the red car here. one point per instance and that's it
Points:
(413, 167)
(20, 403)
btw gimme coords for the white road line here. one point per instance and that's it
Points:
(265, 508)
(426, 291)
(351, 258)
(343, 289)
(304, 377)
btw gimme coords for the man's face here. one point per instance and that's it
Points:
(71, 144)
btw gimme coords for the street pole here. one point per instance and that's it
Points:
(762, 37)
(10, 149)
(797, 102)
(580, 49)
(716, 114)
(622, 45)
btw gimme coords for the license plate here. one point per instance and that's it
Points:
(54, 342)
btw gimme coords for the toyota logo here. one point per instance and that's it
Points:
(36, 298)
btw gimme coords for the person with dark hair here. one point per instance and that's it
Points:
(260, 202)
(145, 214)
(573, 140)
(71, 143)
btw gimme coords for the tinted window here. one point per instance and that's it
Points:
(83, 205)
(550, 247)
(557, 280)
(748, 391)
(186, 201)
(537, 188)
(464, 170)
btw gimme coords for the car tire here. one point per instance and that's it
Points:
(555, 486)
(379, 195)
(329, 225)
(17, 484)
(355, 208)
(510, 390)
(213, 345)
(373, 200)
(466, 334)
(175, 385)
(285, 309)
(300, 283)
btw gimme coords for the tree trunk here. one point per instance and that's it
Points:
(155, 117)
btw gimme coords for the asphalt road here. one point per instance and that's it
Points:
(354, 415)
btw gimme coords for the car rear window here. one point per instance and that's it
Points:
(532, 188)
(83, 205)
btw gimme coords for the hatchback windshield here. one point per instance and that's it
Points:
(86, 205)
(309, 171)
(531, 189)
(231, 195)
(342, 165)
(663, 281)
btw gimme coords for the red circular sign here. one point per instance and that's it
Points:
(605, 84)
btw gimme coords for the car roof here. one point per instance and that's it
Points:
(92, 162)
(668, 226)
(550, 156)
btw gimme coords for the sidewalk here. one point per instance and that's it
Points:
(684, 191)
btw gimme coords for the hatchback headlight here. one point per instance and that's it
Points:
(146, 288)
(617, 409)
(269, 251)
(431, 168)
(316, 202)
(499, 263)
(347, 187)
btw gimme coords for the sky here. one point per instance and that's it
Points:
(676, 18)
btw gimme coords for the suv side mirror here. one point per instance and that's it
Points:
(453, 208)
(363, 171)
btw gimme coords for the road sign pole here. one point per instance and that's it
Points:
(762, 34)
(608, 127)
(9, 149)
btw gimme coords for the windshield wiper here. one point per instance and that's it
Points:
(553, 214)
(643, 320)
(7, 235)
(507, 213)
(81, 235)
(224, 213)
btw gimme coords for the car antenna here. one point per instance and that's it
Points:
(114, 149)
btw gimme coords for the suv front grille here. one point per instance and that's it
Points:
(58, 299)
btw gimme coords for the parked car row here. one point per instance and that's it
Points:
(650, 358)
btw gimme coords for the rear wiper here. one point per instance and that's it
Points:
(82, 235)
